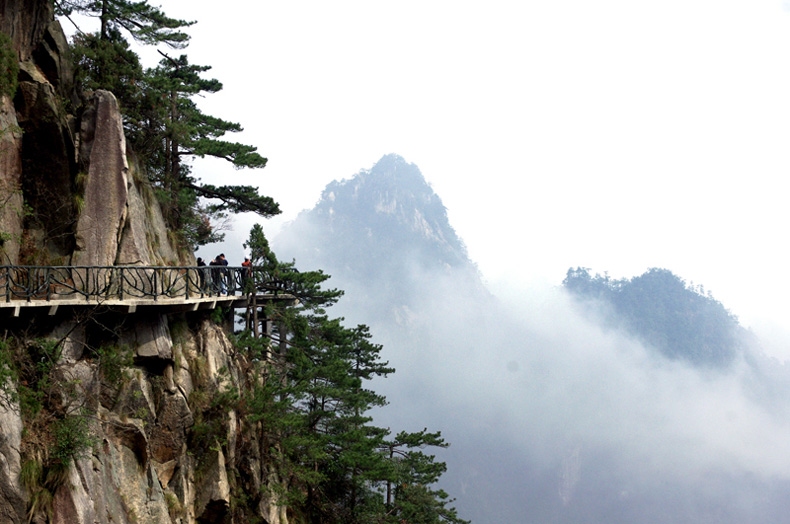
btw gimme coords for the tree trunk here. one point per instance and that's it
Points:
(103, 17)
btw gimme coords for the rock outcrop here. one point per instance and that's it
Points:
(68, 192)
(103, 151)
(25, 22)
(11, 201)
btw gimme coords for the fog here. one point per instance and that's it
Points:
(553, 418)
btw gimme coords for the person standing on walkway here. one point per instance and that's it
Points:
(203, 272)
(216, 275)
(225, 277)
(246, 274)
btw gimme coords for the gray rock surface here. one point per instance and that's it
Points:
(104, 209)
(13, 500)
(11, 201)
(25, 22)
(152, 339)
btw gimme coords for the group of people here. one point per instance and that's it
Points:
(218, 278)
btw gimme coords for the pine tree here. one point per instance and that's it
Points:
(163, 123)
(337, 465)
(145, 23)
(187, 132)
(409, 495)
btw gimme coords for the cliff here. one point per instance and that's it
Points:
(129, 423)
(106, 417)
(69, 194)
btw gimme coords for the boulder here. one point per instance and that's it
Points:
(103, 150)
(152, 339)
(165, 472)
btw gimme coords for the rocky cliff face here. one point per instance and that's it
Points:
(138, 409)
(68, 194)
(105, 417)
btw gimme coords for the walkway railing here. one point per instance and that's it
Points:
(128, 282)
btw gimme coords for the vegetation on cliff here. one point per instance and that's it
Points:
(162, 122)
(314, 404)
(162, 416)
(9, 67)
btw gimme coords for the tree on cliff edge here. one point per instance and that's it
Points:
(145, 23)
(162, 122)
(314, 407)
(187, 132)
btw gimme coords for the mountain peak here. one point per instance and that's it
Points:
(384, 226)
(392, 206)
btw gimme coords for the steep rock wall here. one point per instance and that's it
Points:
(68, 193)
(25, 22)
(103, 150)
(162, 449)
(11, 201)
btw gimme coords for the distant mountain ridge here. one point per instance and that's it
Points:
(659, 308)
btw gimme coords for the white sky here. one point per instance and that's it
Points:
(612, 134)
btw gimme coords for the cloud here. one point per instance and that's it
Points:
(550, 414)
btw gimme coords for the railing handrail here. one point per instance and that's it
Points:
(28, 282)
(132, 266)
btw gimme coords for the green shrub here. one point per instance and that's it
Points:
(72, 438)
(9, 66)
(174, 506)
(113, 360)
(30, 475)
(218, 315)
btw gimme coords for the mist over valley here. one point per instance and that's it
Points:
(600, 400)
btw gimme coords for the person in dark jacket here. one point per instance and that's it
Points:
(224, 274)
(216, 275)
(202, 273)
